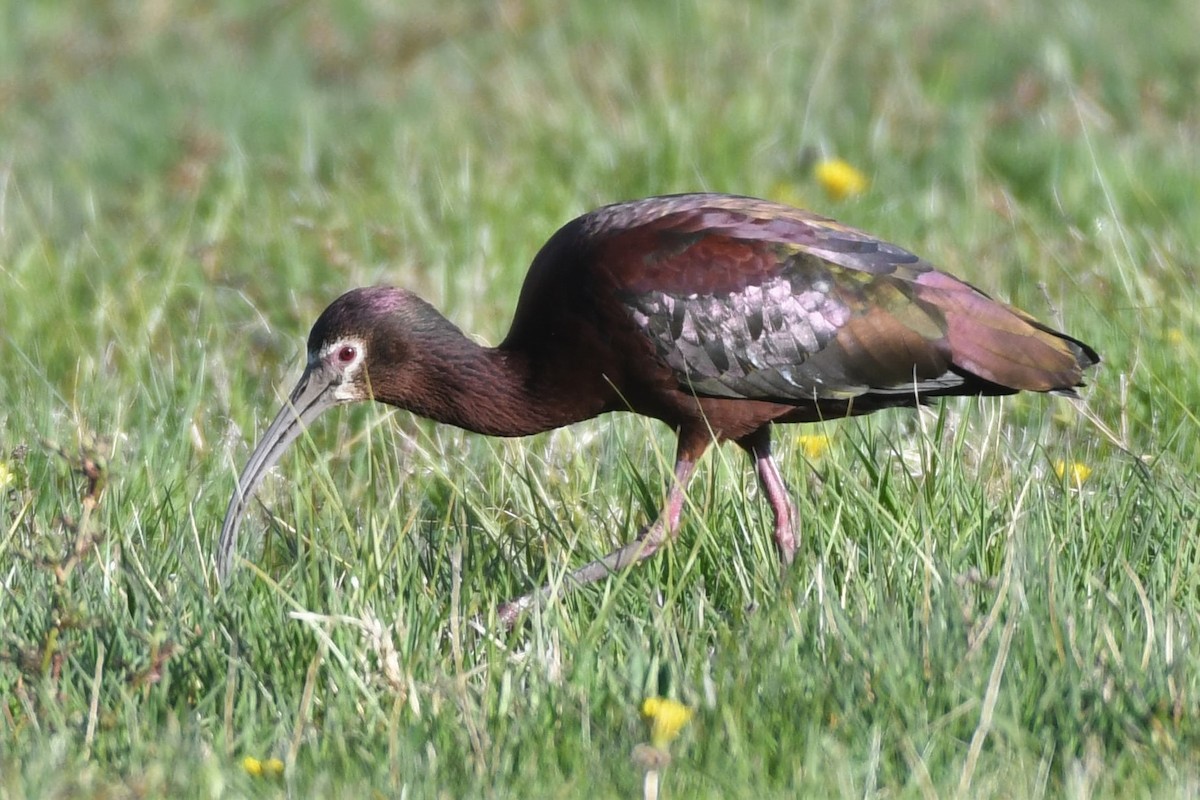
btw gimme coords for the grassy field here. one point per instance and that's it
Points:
(183, 190)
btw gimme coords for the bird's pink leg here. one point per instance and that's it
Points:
(758, 445)
(647, 543)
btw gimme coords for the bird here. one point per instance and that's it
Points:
(720, 315)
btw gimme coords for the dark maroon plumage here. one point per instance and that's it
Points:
(717, 314)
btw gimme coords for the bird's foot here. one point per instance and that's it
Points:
(785, 541)
(645, 545)
(508, 613)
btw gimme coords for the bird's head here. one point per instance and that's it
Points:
(371, 331)
(343, 343)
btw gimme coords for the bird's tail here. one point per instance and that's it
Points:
(1003, 345)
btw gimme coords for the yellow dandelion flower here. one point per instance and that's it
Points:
(839, 178)
(270, 768)
(814, 445)
(1074, 473)
(666, 718)
(7, 476)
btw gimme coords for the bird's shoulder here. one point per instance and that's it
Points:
(717, 244)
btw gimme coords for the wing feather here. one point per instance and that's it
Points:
(743, 298)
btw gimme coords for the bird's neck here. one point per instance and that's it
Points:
(493, 391)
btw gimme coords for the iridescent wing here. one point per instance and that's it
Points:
(748, 299)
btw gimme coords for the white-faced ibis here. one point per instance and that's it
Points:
(717, 314)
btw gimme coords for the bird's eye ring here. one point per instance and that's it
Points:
(347, 353)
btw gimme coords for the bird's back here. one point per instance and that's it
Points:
(734, 298)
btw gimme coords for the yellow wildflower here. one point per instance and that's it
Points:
(271, 768)
(7, 476)
(814, 445)
(666, 718)
(1074, 473)
(1174, 336)
(839, 179)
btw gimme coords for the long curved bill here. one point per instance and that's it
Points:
(313, 394)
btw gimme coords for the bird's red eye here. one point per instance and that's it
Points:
(347, 353)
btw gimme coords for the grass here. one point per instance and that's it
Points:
(181, 193)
